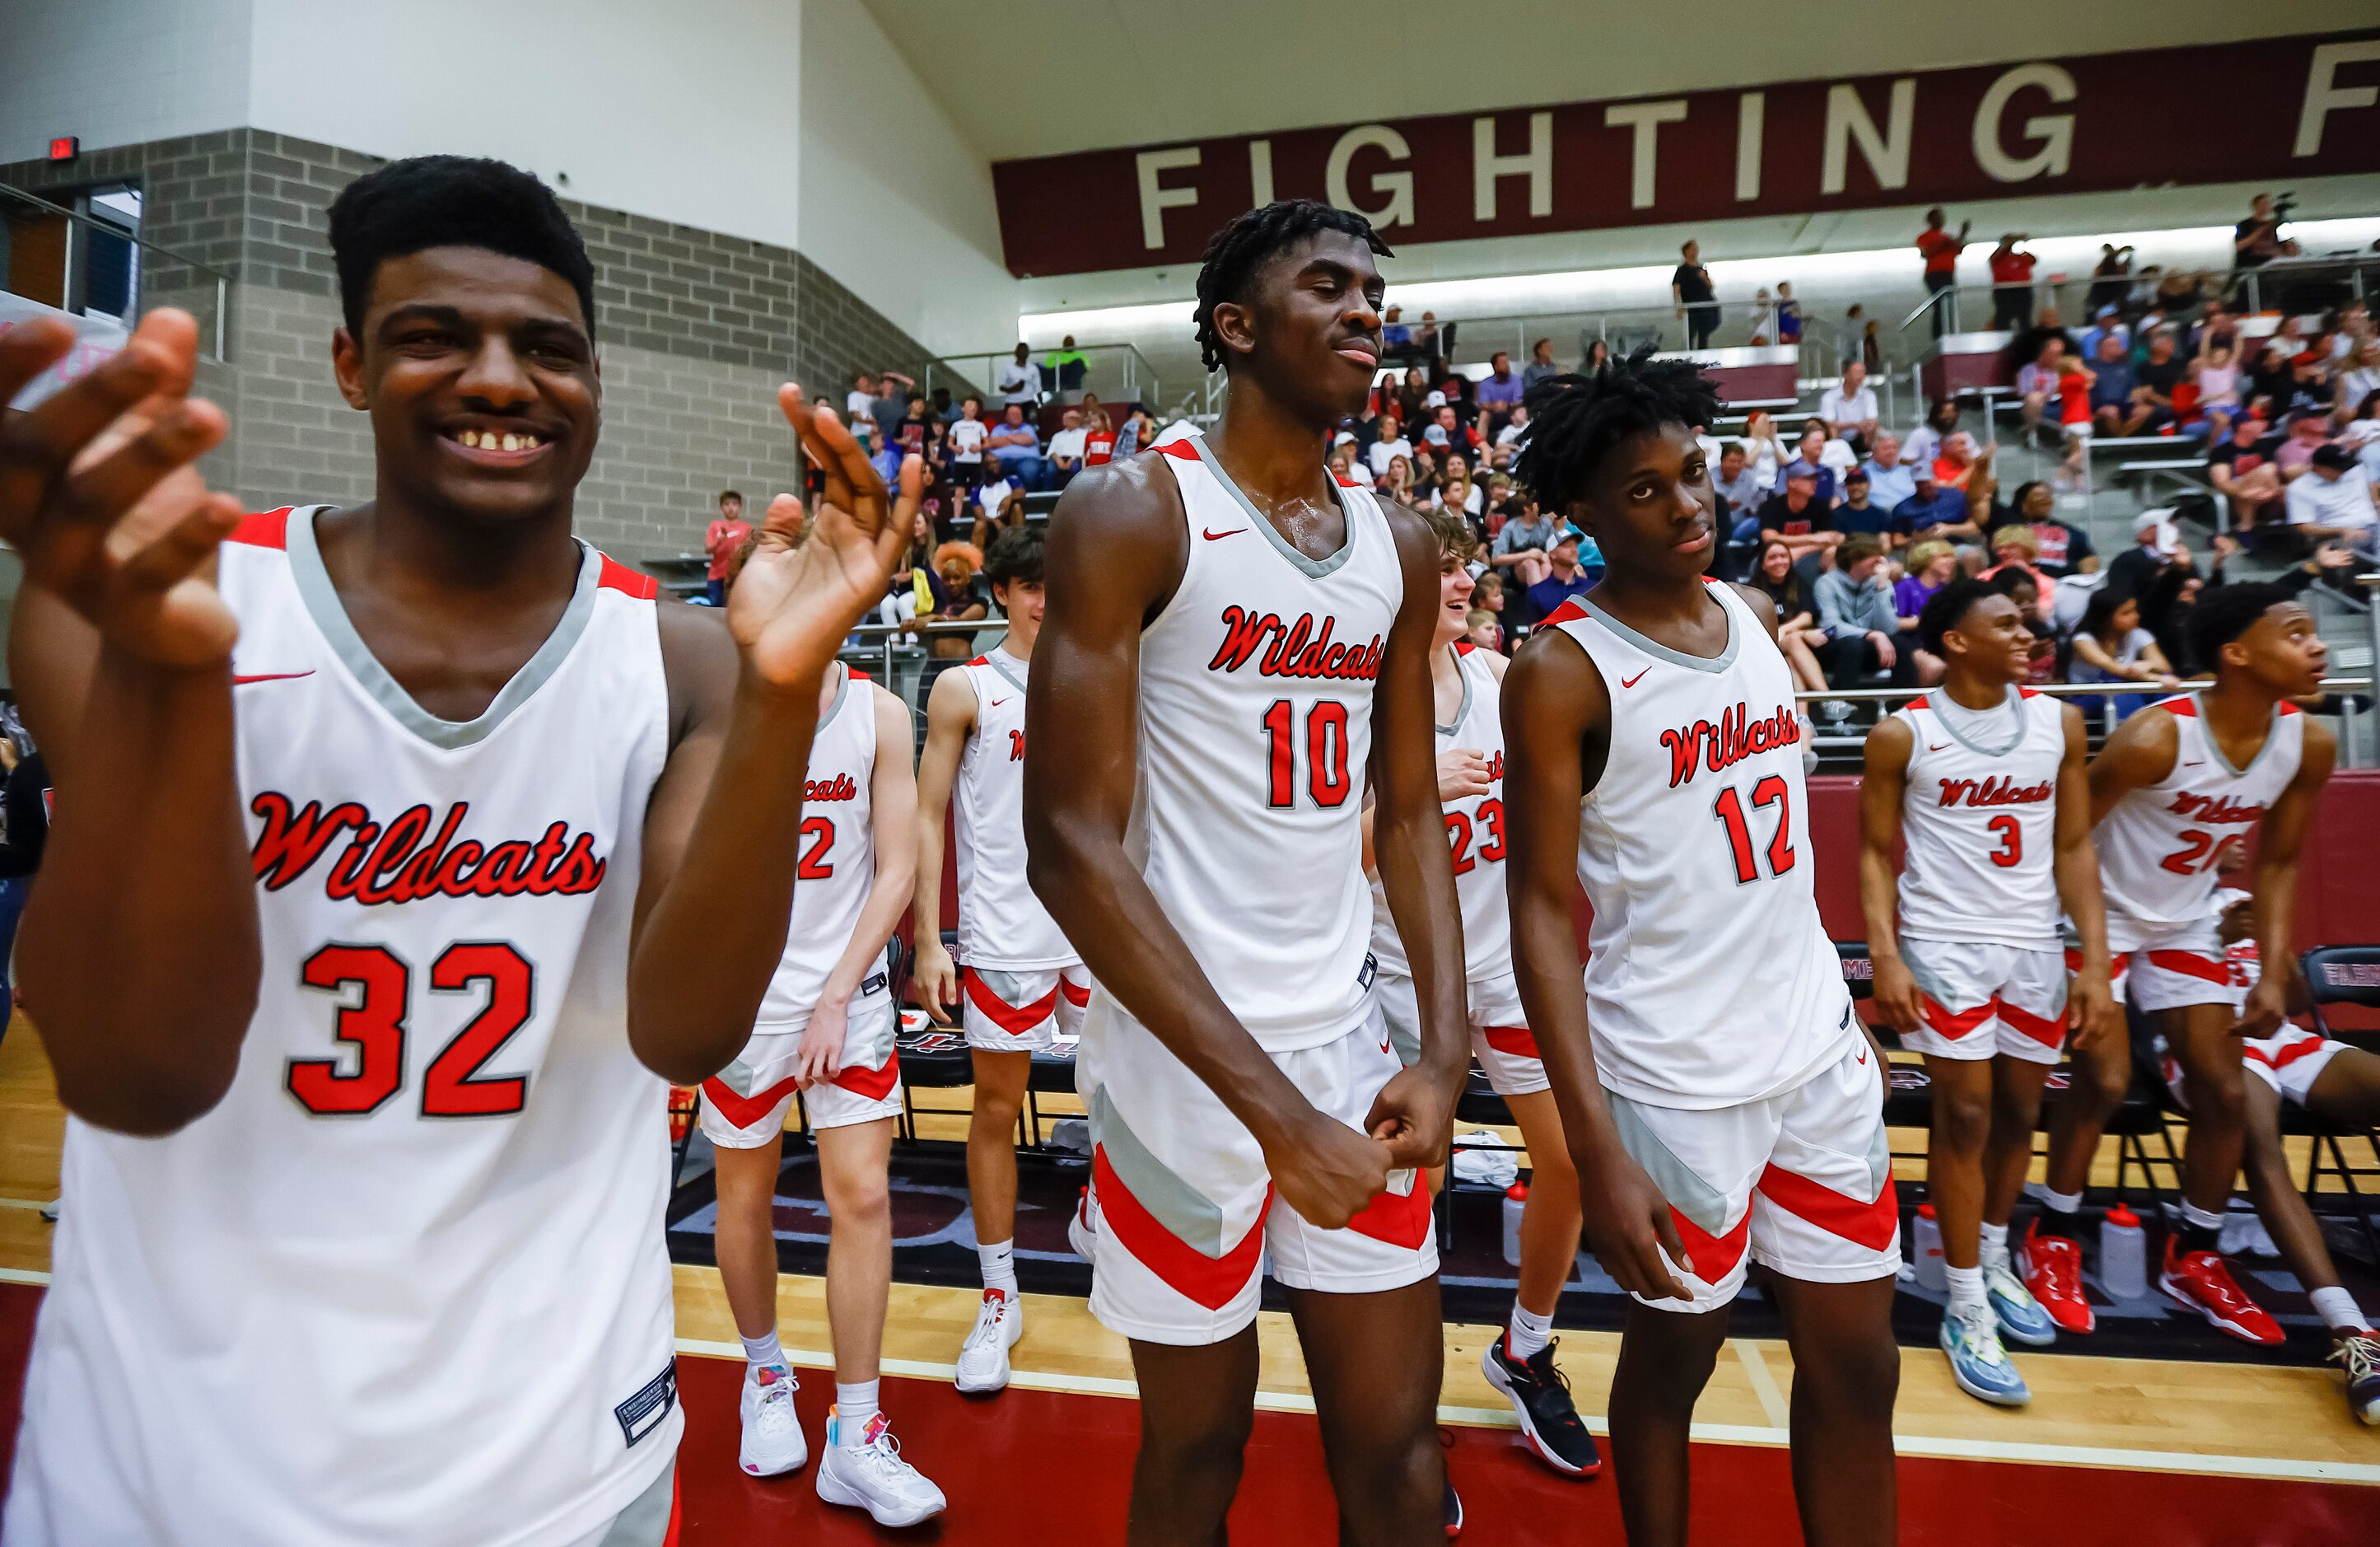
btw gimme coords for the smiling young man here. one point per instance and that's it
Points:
(417, 811)
(1234, 649)
(1985, 784)
(1719, 1096)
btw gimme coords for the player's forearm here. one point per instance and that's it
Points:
(2076, 870)
(925, 902)
(2274, 886)
(878, 918)
(1104, 907)
(705, 950)
(140, 948)
(1553, 997)
(1418, 876)
(1881, 902)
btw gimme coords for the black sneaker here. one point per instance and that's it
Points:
(1540, 1395)
(1454, 1511)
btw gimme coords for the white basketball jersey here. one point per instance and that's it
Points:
(1979, 822)
(405, 1282)
(2162, 850)
(838, 855)
(1709, 981)
(1474, 830)
(1254, 722)
(1001, 924)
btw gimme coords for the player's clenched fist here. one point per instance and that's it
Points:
(1329, 1172)
(99, 497)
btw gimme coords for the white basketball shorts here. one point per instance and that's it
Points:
(1023, 1010)
(1501, 1037)
(1983, 999)
(744, 1105)
(2170, 968)
(1186, 1211)
(1800, 1180)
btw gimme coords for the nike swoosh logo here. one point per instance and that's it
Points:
(997, 703)
(1211, 535)
(1935, 746)
(239, 681)
(1633, 681)
(1863, 1055)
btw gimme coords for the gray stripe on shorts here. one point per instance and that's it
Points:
(1928, 979)
(1686, 1191)
(645, 1523)
(1185, 1213)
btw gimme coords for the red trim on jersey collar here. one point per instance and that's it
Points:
(1182, 451)
(266, 529)
(980, 661)
(1464, 647)
(615, 576)
(2182, 704)
(2289, 708)
(1346, 483)
(1917, 702)
(1569, 612)
(2028, 693)
(855, 673)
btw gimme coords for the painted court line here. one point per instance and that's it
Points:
(2279, 1468)
(1764, 1384)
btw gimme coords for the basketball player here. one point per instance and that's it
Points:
(826, 1029)
(405, 854)
(1024, 986)
(1717, 1093)
(1236, 648)
(1467, 686)
(1987, 781)
(2331, 1080)
(2176, 794)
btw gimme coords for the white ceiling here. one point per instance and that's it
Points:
(1029, 78)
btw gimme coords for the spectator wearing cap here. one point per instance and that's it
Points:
(1849, 406)
(1566, 574)
(2156, 547)
(1811, 458)
(1860, 513)
(2335, 499)
(1935, 510)
(1500, 391)
(1889, 480)
(2106, 324)
(1069, 444)
(1447, 433)
(1797, 516)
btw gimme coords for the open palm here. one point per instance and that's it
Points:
(808, 581)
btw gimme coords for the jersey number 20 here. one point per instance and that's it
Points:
(373, 1023)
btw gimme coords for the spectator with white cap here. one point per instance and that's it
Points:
(2156, 547)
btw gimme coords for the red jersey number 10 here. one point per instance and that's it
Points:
(1325, 739)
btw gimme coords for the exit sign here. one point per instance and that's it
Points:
(65, 147)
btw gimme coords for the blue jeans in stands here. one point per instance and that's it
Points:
(1029, 471)
(12, 905)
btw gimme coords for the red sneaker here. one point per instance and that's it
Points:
(2052, 1270)
(2201, 1282)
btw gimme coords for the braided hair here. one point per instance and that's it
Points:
(1234, 254)
(1574, 422)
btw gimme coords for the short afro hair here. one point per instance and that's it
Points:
(1574, 422)
(1248, 241)
(1947, 608)
(425, 201)
(1016, 554)
(2223, 614)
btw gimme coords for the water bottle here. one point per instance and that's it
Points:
(1517, 1198)
(2123, 1254)
(1926, 1245)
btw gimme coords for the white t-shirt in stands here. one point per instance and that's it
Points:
(966, 436)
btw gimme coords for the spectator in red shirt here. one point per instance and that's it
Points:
(2011, 284)
(724, 536)
(1940, 250)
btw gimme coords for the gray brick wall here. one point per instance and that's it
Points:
(695, 330)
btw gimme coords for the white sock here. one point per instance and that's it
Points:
(2339, 1311)
(761, 1350)
(999, 1260)
(2064, 1202)
(1528, 1332)
(2193, 1215)
(853, 1405)
(1966, 1287)
(1994, 1243)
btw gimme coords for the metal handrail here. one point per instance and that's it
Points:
(222, 278)
(2061, 689)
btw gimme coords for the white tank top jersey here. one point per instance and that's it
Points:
(1254, 722)
(837, 869)
(1474, 830)
(405, 1282)
(1709, 980)
(1001, 924)
(1979, 822)
(2162, 850)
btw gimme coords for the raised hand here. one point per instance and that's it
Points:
(100, 497)
(808, 582)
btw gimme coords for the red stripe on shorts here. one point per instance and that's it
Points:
(871, 1084)
(2289, 1054)
(1213, 1281)
(1870, 1223)
(1015, 1020)
(1078, 994)
(1954, 1026)
(2045, 1029)
(2191, 965)
(1714, 1256)
(744, 1111)
(1512, 1041)
(1399, 1221)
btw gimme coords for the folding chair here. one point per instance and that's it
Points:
(2341, 975)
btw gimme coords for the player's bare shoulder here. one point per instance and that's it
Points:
(697, 663)
(1763, 606)
(1120, 523)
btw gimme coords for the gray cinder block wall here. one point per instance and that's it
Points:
(696, 330)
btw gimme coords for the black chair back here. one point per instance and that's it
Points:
(2340, 975)
(1859, 970)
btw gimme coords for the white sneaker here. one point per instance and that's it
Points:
(871, 1476)
(773, 1435)
(983, 1359)
(1082, 1227)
